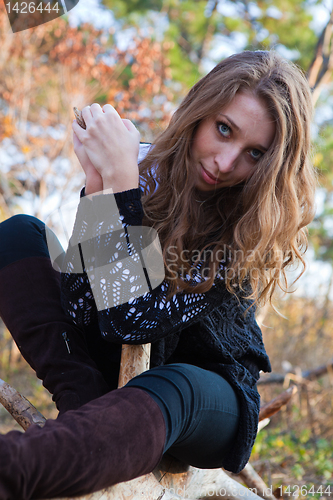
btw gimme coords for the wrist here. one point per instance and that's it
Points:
(94, 184)
(123, 183)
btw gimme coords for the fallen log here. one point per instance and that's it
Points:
(207, 484)
(145, 487)
(193, 484)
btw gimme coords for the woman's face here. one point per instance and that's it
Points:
(227, 147)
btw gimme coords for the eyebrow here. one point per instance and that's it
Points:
(233, 124)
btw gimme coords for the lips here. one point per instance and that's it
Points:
(210, 175)
(209, 178)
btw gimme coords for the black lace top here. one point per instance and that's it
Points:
(209, 330)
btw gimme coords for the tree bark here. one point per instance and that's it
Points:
(19, 407)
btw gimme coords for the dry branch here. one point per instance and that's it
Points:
(275, 404)
(19, 407)
(279, 378)
(79, 117)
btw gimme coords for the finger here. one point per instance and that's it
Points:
(74, 134)
(107, 108)
(110, 111)
(130, 125)
(78, 131)
(76, 140)
(86, 114)
(96, 109)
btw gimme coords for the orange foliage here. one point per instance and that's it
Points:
(55, 66)
(6, 126)
(45, 71)
(150, 71)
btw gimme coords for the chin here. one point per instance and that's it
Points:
(207, 189)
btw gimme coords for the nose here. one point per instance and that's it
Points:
(226, 161)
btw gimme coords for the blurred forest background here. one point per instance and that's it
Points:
(143, 63)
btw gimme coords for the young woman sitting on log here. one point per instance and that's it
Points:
(229, 188)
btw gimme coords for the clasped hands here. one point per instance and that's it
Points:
(107, 150)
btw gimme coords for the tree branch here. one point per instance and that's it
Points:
(19, 407)
(279, 378)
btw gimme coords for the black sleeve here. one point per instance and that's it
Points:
(100, 272)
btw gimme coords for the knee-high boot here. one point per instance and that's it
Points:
(47, 338)
(114, 438)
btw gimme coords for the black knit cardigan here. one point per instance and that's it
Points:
(211, 330)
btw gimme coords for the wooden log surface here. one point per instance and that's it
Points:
(249, 476)
(193, 484)
(206, 484)
(134, 360)
(143, 488)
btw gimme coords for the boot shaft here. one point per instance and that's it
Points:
(47, 338)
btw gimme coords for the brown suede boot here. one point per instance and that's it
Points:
(47, 338)
(114, 438)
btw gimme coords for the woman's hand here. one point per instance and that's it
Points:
(112, 146)
(94, 181)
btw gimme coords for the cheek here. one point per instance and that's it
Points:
(202, 141)
(201, 146)
(249, 171)
(196, 147)
(244, 171)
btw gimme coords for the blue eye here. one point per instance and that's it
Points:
(224, 129)
(256, 154)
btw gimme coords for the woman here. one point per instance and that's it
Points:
(229, 189)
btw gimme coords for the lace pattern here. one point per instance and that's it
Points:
(109, 264)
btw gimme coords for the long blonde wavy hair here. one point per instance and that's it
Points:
(252, 231)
